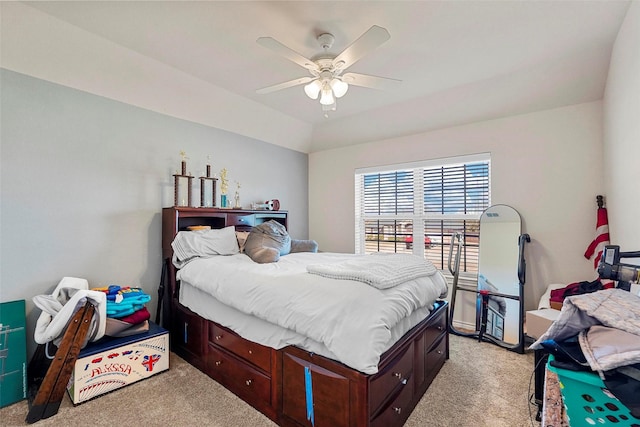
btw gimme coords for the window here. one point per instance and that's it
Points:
(426, 202)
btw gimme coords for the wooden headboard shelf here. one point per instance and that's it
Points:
(179, 218)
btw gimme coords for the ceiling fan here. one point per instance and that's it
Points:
(327, 80)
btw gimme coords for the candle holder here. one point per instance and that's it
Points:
(208, 190)
(182, 185)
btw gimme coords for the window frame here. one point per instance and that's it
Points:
(418, 218)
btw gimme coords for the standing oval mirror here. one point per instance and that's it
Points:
(500, 229)
(501, 276)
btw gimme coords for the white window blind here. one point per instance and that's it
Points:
(423, 202)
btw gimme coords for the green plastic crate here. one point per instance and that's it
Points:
(588, 402)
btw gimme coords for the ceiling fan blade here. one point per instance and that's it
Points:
(290, 54)
(290, 83)
(374, 82)
(371, 39)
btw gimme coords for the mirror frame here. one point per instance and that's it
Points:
(483, 296)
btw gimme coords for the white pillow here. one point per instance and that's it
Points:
(203, 243)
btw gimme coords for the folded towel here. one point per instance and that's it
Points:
(123, 301)
(132, 324)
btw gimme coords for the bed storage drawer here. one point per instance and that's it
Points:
(254, 353)
(386, 382)
(437, 328)
(397, 410)
(435, 358)
(245, 381)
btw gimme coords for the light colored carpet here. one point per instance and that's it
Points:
(480, 385)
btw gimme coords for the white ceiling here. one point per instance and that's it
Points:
(459, 61)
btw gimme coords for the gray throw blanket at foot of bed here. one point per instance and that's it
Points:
(381, 271)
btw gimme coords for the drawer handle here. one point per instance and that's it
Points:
(440, 327)
(439, 351)
(218, 362)
(218, 337)
(398, 375)
(248, 382)
(397, 410)
(250, 352)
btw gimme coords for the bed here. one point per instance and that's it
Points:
(300, 372)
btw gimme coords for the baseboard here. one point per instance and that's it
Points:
(464, 326)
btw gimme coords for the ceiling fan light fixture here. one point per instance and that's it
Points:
(339, 87)
(313, 89)
(330, 107)
(327, 108)
(326, 96)
(328, 81)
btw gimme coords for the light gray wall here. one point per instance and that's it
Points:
(37, 44)
(84, 179)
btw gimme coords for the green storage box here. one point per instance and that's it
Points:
(13, 352)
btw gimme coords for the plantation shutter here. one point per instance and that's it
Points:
(423, 202)
(453, 189)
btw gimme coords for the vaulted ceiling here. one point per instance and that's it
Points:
(459, 61)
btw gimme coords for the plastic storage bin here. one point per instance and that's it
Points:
(588, 402)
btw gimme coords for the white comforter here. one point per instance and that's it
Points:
(352, 319)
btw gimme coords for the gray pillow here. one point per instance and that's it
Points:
(267, 242)
(303, 245)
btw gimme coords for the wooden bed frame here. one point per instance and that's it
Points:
(273, 381)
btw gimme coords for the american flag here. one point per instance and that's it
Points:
(601, 240)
